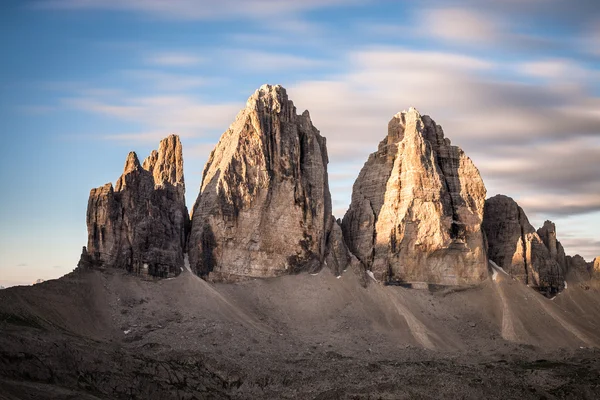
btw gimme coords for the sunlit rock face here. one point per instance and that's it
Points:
(596, 268)
(514, 245)
(140, 224)
(264, 207)
(417, 208)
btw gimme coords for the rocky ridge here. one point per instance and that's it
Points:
(264, 210)
(417, 208)
(140, 224)
(514, 245)
(264, 207)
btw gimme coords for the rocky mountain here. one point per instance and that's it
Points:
(514, 245)
(140, 224)
(417, 208)
(264, 207)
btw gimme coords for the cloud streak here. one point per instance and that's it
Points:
(522, 135)
(196, 9)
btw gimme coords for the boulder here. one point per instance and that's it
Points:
(140, 224)
(514, 245)
(264, 207)
(417, 208)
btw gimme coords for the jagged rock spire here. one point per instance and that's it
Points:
(514, 245)
(140, 226)
(264, 207)
(417, 208)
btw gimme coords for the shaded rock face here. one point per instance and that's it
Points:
(514, 245)
(264, 207)
(548, 235)
(338, 256)
(140, 225)
(579, 267)
(417, 208)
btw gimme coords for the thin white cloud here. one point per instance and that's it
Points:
(165, 81)
(247, 60)
(461, 25)
(180, 59)
(197, 9)
(185, 115)
(561, 69)
(140, 137)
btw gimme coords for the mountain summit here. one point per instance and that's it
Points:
(417, 208)
(264, 207)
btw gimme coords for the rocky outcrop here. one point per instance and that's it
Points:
(140, 225)
(264, 207)
(514, 245)
(338, 256)
(417, 208)
(548, 235)
(596, 268)
(578, 267)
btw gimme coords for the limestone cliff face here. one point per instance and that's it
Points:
(264, 207)
(596, 268)
(514, 245)
(140, 224)
(417, 208)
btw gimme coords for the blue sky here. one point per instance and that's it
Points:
(516, 84)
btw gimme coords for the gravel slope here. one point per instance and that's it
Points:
(105, 334)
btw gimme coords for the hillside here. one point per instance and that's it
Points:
(107, 334)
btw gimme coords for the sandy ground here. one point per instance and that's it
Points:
(106, 334)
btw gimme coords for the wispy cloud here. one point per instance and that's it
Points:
(522, 136)
(462, 25)
(166, 81)
(267, 61)
(196, 9)
(564, 70)
(180, 59)
(186, 115)
(588, 248)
